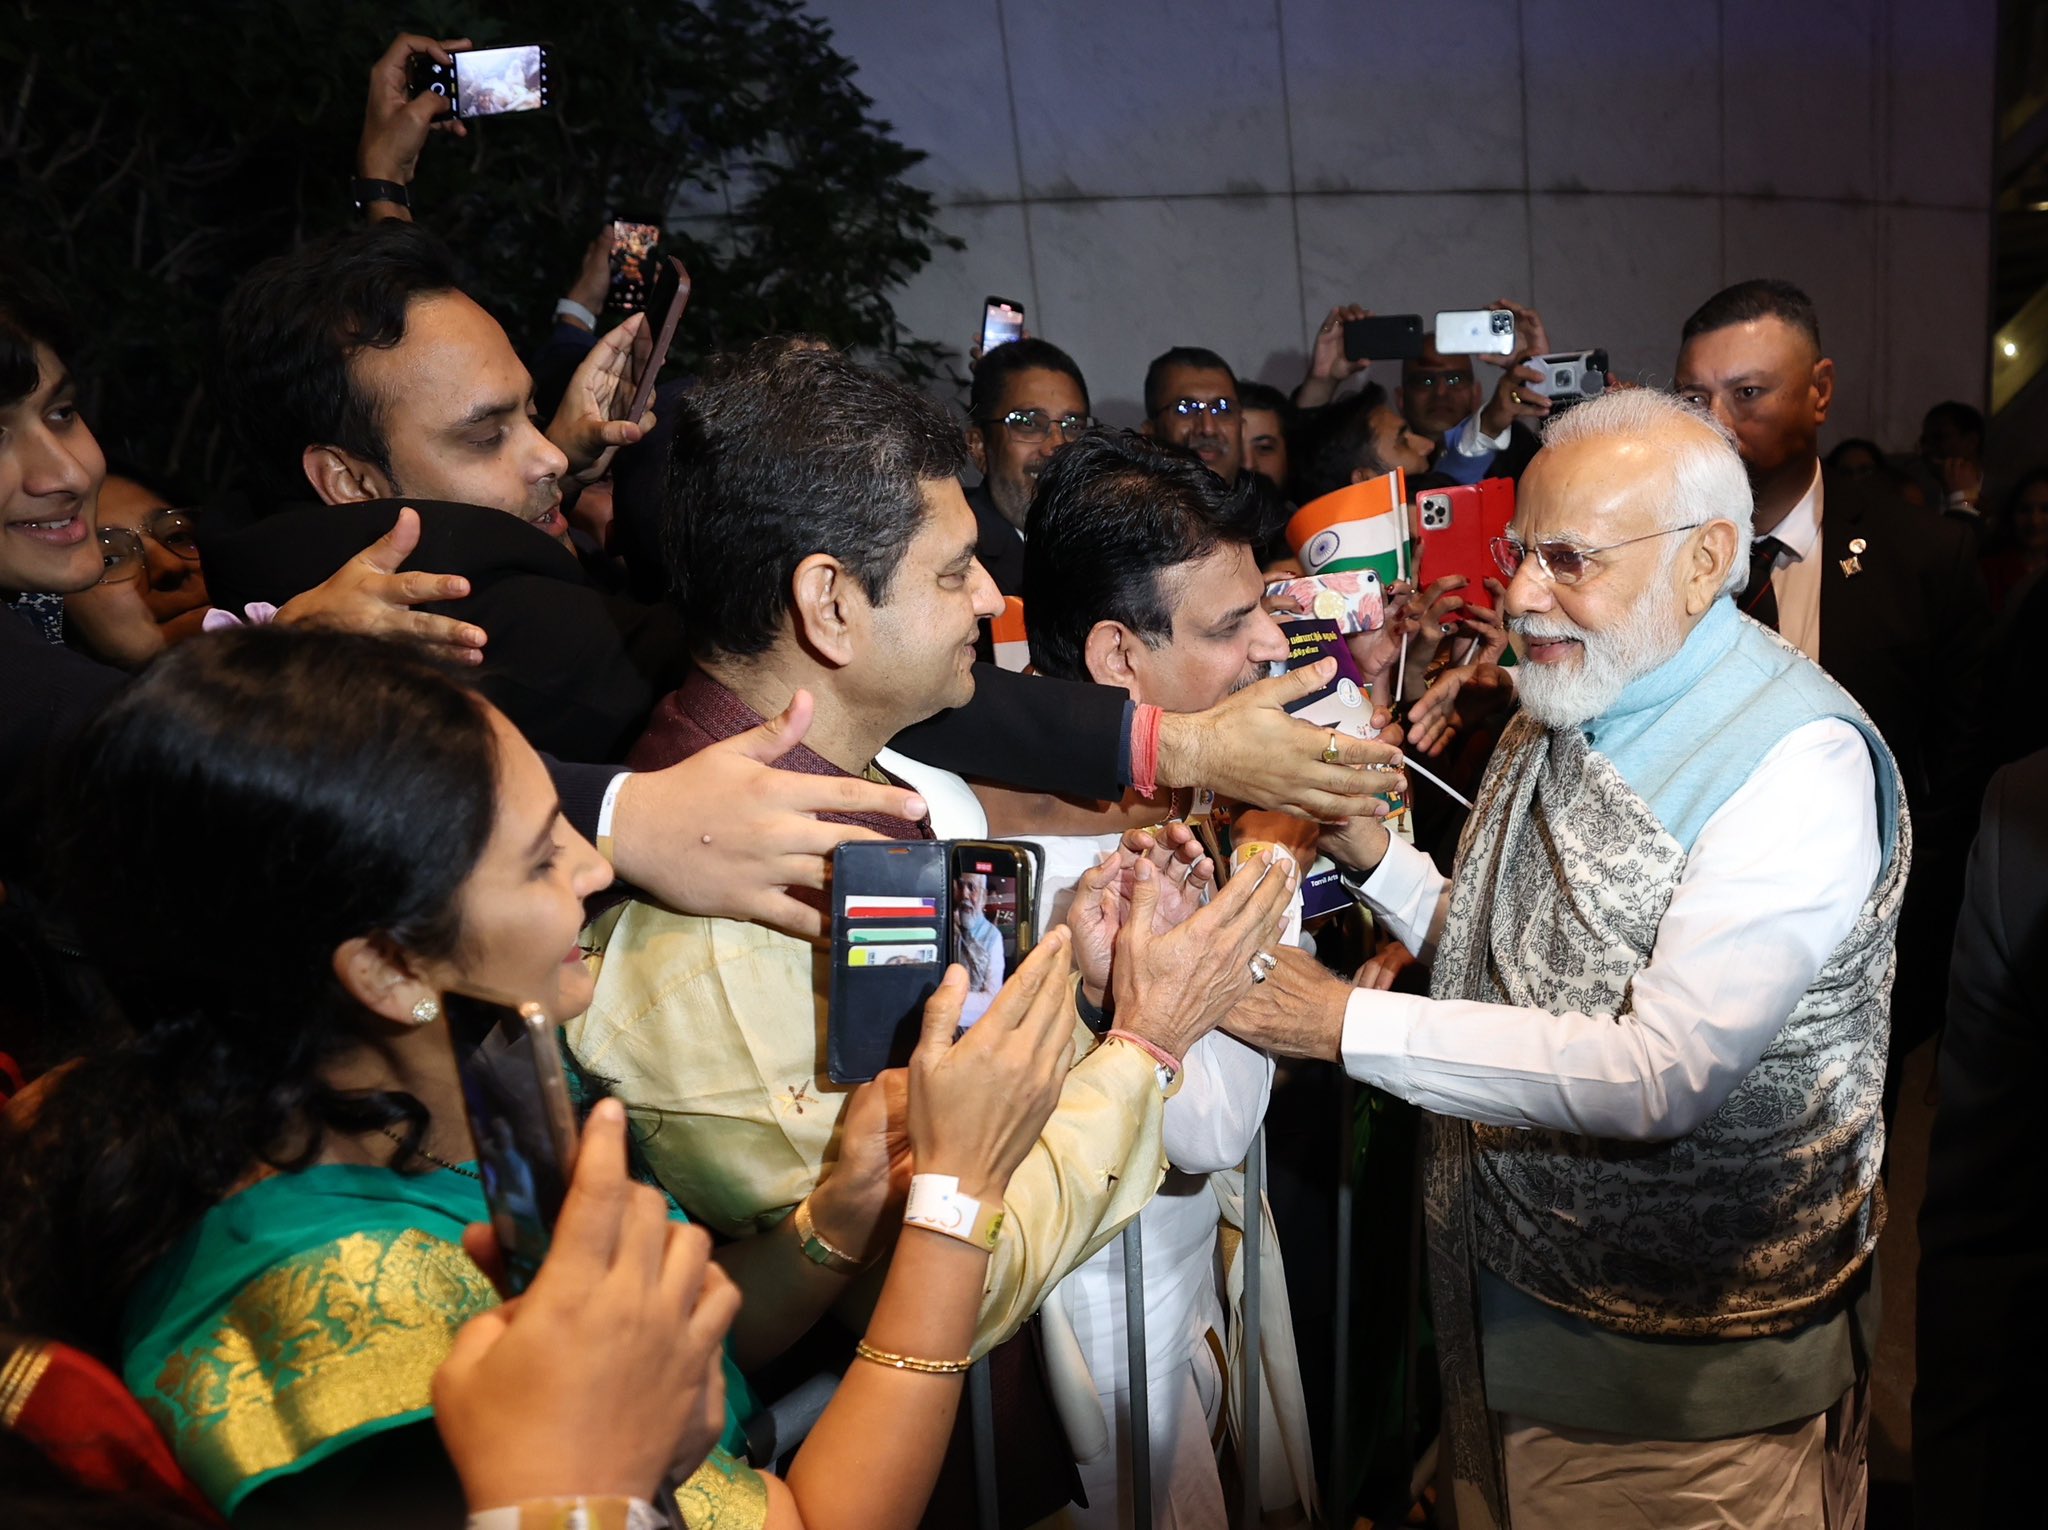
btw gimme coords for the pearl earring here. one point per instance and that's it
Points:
(426, 1012)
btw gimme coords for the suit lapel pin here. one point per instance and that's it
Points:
(1853, 564)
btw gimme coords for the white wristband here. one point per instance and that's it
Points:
(937, 1204)
(606, 809)
(569, 308)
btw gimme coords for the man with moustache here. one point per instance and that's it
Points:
(1028, 400)
(1654, 1049)
(1886, 598)
(1141, 575)
(821, 543)
(1191, 400)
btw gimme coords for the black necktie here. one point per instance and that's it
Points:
(1757, 598)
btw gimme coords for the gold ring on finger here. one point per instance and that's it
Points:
(1330, 752)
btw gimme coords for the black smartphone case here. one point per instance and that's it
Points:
(1387, 337)
(877, 1012)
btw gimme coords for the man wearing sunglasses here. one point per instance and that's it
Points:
(1654, 1053)
(1028, 401)
(1191, 400)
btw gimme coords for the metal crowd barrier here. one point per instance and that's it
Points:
(786, 1423)
(1139, 1438)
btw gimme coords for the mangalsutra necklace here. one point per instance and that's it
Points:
(433, 1158)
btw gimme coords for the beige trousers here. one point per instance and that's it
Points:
(1812, 1474)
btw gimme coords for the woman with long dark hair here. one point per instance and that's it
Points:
(280, 849)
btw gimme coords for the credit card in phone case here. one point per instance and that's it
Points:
(892, 956)
(874, 906)
(894, 932)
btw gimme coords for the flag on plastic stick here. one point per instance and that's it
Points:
(1363, 525)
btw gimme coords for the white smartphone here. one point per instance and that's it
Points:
(1476, 332)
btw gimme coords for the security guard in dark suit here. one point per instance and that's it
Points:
(1886, 598)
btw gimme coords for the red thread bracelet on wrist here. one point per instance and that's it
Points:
(1145, 749)
(1151, 1049)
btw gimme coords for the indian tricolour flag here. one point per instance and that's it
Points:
(1363, 525)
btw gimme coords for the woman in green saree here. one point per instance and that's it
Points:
(279, 850)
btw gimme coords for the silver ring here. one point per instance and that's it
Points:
(1258, 973)
(1265, 959)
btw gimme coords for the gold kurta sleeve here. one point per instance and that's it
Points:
(1093, 1168)
(712, 1034)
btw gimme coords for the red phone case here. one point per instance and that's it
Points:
(1455, 526)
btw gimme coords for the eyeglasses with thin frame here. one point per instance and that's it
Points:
(1036, 424)
(1190, 408)
(1563, 562)
(121, 550)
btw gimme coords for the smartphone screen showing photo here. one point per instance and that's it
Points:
(984, 915)
(491, 81)
(633, 247)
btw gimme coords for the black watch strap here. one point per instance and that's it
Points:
(367, 191)
(1097, 1020)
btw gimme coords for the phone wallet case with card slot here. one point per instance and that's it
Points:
(894, 895)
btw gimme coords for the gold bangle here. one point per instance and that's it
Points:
(896, 1362)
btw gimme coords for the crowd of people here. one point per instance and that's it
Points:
(1655, 861)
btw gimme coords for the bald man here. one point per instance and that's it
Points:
(1655, 1042)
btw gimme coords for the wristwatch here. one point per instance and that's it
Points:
(571, 1514)
(815, 1248)
(366, 191)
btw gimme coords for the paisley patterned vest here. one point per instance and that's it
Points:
(1755, 1221)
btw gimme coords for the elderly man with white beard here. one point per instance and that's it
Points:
(1655, 1042)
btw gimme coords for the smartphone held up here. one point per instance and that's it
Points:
(1002, 320)
(516, 1096)
(634, 247)
(485, 82)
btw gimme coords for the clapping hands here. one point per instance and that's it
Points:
(1102, 897)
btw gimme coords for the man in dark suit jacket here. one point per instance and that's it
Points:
(1887, 599)
(554, 663)
(1028, 401)
(1981, 1331)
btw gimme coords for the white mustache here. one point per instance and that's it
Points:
(1528, 627)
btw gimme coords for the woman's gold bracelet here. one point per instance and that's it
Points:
(897, 1362)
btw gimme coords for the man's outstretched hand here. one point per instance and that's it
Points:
(368, 594)
(1247, 746)
(726, 835)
